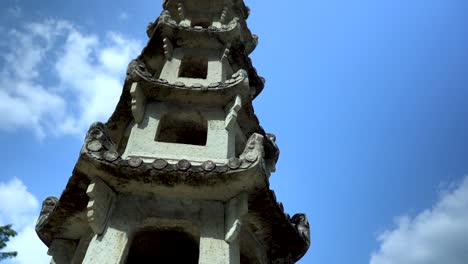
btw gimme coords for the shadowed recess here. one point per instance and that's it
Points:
(183, 128)
(163, 247)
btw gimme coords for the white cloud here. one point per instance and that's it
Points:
(17, 203)
(437, 235)
(30, 248)
(94, 72)
(20, 208)
(55, 79)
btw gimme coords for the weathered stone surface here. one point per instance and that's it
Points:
(138, 102)
(183, 152)
(111, 155)
(68, 219)
(135, 162)
(48, 206)
(160, 164)
(234, 163)
(100, 205)
(301, 224)
(62, 251)
(235, 210)
(98, 141)
(208, 166)
(183, 165)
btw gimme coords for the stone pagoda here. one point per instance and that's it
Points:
(180, 172)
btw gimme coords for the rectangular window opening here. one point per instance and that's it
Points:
(195, 67)
(190, 129)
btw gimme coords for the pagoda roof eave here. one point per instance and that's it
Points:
(122, 116)
(69, 220)
(233, 33)
(213, 94)
(237, 49)
(239, 7)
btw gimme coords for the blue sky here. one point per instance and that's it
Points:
(366, 98)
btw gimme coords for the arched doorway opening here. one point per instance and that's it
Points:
(163, 247)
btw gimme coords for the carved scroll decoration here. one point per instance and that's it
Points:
(48, 207)
(231, 117)
(98, 142)
(100, 205)
(253, 151)
(301, 224)
(168, 48)
(138, 102)
(235, 209)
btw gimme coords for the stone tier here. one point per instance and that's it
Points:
(193, 92)
(122, 117)
(215, 10)
(160, 49)
(260, 155)
(234, 32)
(76, 214)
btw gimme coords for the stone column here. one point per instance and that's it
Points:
(234, 252)
(62, 251)
(108, 248)
(81, 248)
(213, 248)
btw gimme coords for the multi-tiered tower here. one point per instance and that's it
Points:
(180, 172)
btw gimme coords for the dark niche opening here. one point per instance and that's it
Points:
(244, 260)
(163, 247)
(194, 67)
(183, 128)
(201, 22)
